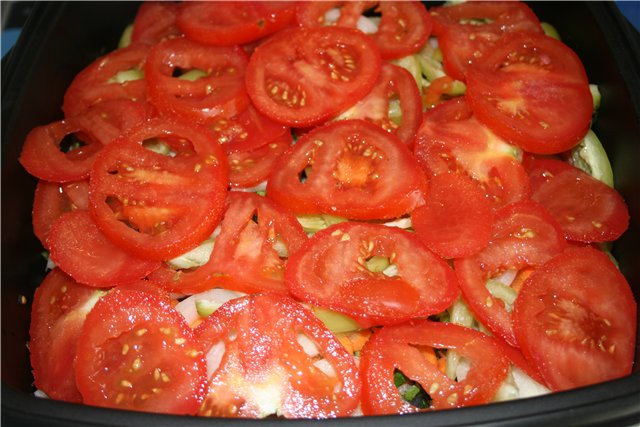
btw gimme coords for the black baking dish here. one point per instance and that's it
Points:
(61, 38)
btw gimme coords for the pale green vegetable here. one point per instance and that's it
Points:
(336, 322)
(205, 307)
(411, 63)
(314, 223)
(125, 38)
(127, 76)
(597, 97)
(193, 75)
(550, 30)
(430, 60)
(590, 156)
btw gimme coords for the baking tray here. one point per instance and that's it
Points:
(61, 38)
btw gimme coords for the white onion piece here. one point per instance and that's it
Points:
(217, 296)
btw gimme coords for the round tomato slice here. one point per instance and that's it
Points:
(520, 92)
(250, 252)
(101, 80)
(155, 22)
(60, 306)
(579, 330)
(402, 348)
(395, 84)
(78, 247)
(227, 23)
(136, 352)
(524, 235)
(159, 190)
(304, 76)
(587, 209)
(220, 92)
(456, 219)
(450, 138)
(349, 168)
(373, 273)
(52, 199)
(247, 131)
(269, 355)
(468, 31)
(252, 167)
(403, 28)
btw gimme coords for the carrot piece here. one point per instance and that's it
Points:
(521, 277)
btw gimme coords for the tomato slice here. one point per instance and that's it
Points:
(399, 348)
(348, 168)
(136, 352)
(268, 354)
(451, 138)
(371, 272)
(250, 252)
(586, 209)
(468, 31)
(155, 22)
(520, 92)
(52, 199)
(252, 167)
(60, 306)
(78, 247)
(456, 219)
(524, 235)
(98, 81)
(158, 206)
(247, 131)
(302, 77)
(395, 84)
(403, 29)
(220, 92)
(227, 23)
(579, 330)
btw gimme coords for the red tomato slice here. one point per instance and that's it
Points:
(456, 219)
(58, 312)
(52, 199)
(579, 330)
(252, 167)
(302, 77)
(136, 352)
(468, 31)
(158, 206)
(586, 209)
(398, 348)
(334, 269)
(450, 138)
(155, 22)
(394, 83)
(96, 82)
(524, 235)
(220, 93)
(349, 168)
(520, 92)
(249, 254)
(247, 131)
(268, 354)
(403, 29)
(79, 248)
(226, 23)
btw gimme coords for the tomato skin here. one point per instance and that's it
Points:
(59, 308)
(395, 347)
(262, 351)
(233, 23)
(580, 330)
(132, 185)
(586, 209)
(521, 97)
(78, 247)
(330, 271)
(155, 22)
(456, 219)
(394, 81)
(301, 77)
(136, 352)
(92, 85)
(220, 93)
(252, 167)
(358, 171)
